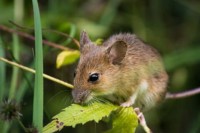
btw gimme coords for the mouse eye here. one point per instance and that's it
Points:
(93, 77)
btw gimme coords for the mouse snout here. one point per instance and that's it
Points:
(80, 95)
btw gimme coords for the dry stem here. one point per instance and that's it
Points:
(33, 71)
(183, 94)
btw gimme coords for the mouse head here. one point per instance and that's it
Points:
(97, 73)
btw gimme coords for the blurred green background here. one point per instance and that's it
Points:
(171, 26)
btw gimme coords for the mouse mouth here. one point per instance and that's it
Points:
(81, 96)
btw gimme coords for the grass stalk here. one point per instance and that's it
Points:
(33, 71)
(38, 88)
(2, 72)
(4, 126)
(25, 84)
(18, 17)
(15, 73)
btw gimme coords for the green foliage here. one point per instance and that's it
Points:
(4, 126)
(72, 30)
(124, 120)
(2, 72)
(38, 88)
(77, 114)
(67, 57)
(99, 41)
(15, 73)
(182, 57)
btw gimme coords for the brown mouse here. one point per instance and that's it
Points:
(123, 70)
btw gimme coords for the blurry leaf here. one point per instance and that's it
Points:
(72, 30)
(179, 78)
(195, 125)
(39, 84)
(91, 27)
(99, 41)
(2, 72)
(124, 121)
(182, 57)
(77, 114)
(109, 13)
(67, 57)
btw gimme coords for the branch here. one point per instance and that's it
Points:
(54, 31)
(26, 35)
(33, 71)
(65, 35)
(183, 94)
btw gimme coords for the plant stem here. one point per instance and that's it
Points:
(2, 72)
(183, 94)
(33, 71)
(22, 125)
(15, 73)
(39, 82)
(26, 35)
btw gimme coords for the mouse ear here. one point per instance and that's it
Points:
(117, 52)
(84, 39)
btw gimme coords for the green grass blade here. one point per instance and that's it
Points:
(2, 72)
(18, 17)
(38, 88)
(109, 13)
(182, 57)
(15, 73)
(25, 84)
(4, 126)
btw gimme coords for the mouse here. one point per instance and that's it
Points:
(123, 70)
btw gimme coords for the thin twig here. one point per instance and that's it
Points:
(33, 71)
(54, 31)
(22, 125)
(26, 35)
(65, 35)
(183, 94)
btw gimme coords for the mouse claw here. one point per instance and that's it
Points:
(125, 105)
(142, 120)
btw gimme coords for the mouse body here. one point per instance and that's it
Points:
(123, 70)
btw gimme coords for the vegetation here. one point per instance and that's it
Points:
(171, 26)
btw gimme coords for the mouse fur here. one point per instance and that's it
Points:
(129, 71)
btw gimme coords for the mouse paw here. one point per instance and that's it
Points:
(126, 104)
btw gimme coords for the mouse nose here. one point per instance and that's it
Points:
(79, 95)
(78, 101)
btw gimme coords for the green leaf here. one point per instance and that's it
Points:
(99, 41)
(67, 57)
(72, 30)
(38, 86)
(3, 75)
(77, 114)
(125, 121)
(182, 57)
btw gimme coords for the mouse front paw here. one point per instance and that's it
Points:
(126, 104)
